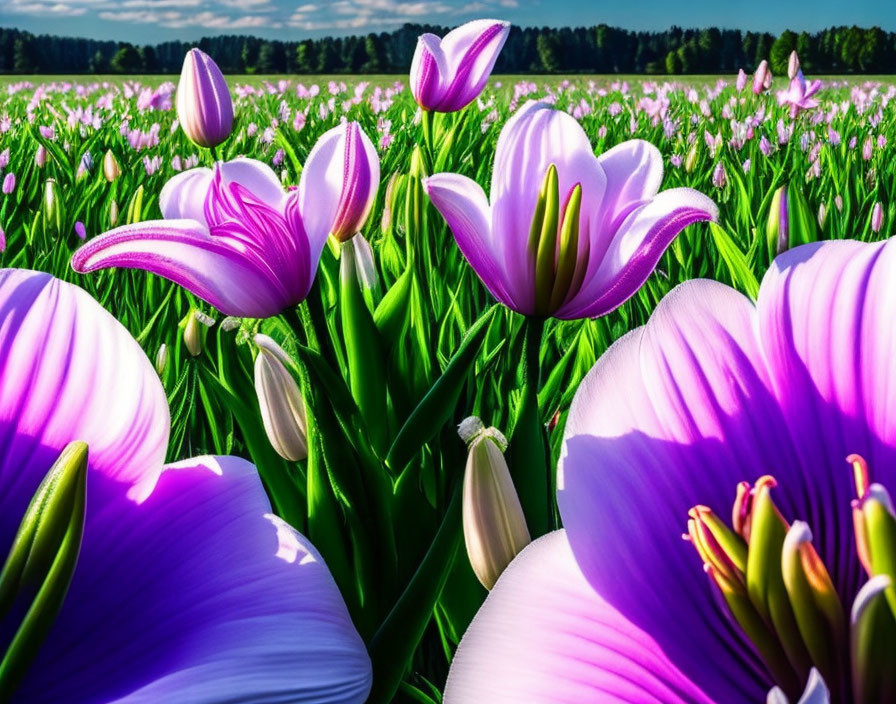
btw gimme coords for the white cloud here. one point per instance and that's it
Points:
(174, 19)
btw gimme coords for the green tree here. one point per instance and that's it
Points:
(376, 54)
(850, 48)
(23, 55)
(673, 63)
(548, 52)
(126, 60)
(780, 52)
(306, 57)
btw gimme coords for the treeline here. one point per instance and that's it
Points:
(600, 49)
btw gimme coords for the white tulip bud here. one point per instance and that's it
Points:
(195, 328)
(494, 525)
(280, 400)
(162, 359)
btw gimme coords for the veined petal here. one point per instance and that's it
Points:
(463, 204)
(257, 177)
(544, 636)
(183, 196)
(70, 371)
(429, 70)
(635, 249)
(198, 594)
(218, 270)
(673, 415)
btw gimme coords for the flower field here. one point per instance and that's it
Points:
(328, 277)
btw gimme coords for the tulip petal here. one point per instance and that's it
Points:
(70, 371)
(463, 204)
(536, 137)
(470, 51)
(235, 281)
(257, 177)
(634, 171)
(183, 197)
(544, 636)
(673, 415)
(324, 179)
(198, 594)
(429, 70)
(635, 250)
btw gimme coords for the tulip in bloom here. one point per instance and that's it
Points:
(798, 95)
(494, 525)
(782, 582)
(448, 74)
(204, 105)
(186, 588)
(281, 403)
(566, 234)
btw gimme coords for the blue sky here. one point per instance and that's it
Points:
(151, 21)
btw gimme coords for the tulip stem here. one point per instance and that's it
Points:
(426, 123)
(529, 454)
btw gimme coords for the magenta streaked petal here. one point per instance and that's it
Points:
(635, 249)
(470, 53)
(544, 636)
(199, 594)
(183, 196)
(70, 371)
(256, 177)
(463, 204)
(428, 70)
(674, 414)
(204, 105)
(184, 252)
(338, 184)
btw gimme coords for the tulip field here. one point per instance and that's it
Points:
(416, 385)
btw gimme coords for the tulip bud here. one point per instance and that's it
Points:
(52, 207)
(822, 215)
(838, 201)
(40, 156)
(494, 525)
(741, 80)
(204, 105)
(113, 213)
(162, 359)
(762, 78)
(365, 266)
(111, 169)
(719, 176)
(690, 161)
(2, 241)
(356, 159)
(196, 325)
(793, 65)
(790, 222)
(9, 183)
(280, 400)
(877, 217)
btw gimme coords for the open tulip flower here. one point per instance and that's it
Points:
(765, 435)
(234, 237)
(448, 74)
(565, 233)
(798, 95)
(187, 588)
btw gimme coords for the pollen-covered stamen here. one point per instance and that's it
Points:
(860, 474)
(717, 545)
(740, 513)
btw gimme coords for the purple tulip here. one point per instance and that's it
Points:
(186, 588)
(683, 418)
(798, 95)
(741, 80)
(762, 79)
(9, 183)
(2, 241)
(345, 163)
(448, 74)
(231, 235)
(204, 105)
(566, 233)
(80, 230)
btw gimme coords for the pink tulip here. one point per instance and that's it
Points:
(762, 79)
(204, 106)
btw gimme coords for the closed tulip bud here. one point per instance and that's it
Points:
(204, 105)
(9, 183)
(793, 65)
(162, 359)
(2, 241)
(877, 217)
(280, 400)
(365, 265)
(52, 207)
(196, 325)
(822, 215)
(762, 79)
(40, 156)
(111, 169)
(838, 202)
(777, 229)
(113, 213)
(494, 525)
(690, 161)
(741, 80)
(719, 176)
